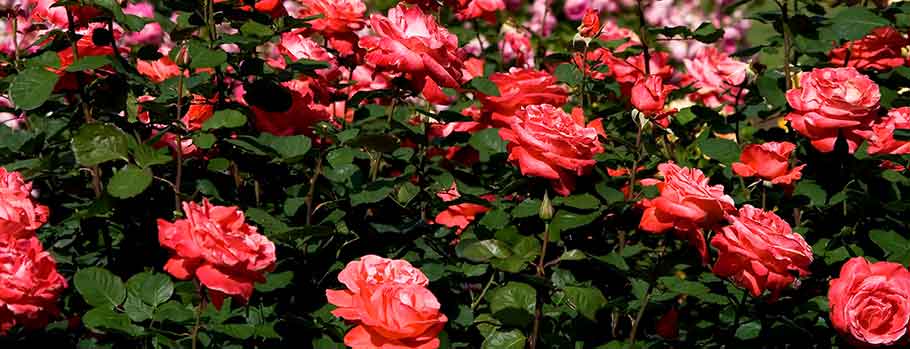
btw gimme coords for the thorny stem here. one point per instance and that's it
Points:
(634, 170)
(484, 291)
(647, 297)
(312, 191)
(785, 25)
(643, 26)
(195, 333)
(541, 272)
(179, 146)
(86, 109)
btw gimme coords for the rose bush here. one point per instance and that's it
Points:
(495, 174)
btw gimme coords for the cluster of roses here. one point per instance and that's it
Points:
(832, 103)
(29, 281)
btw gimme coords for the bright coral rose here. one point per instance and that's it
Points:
(687, 204)
(200, 111)
(20, 216)
(629, 70)
(29, 284)
(545, 141)
(590, 24)
(215, 245)
(410, 41)
(649, 95)
(769, 161)
(389, 303)
(870, 303)
(881, 140)
(460, 215)
(879, 50)
(831, 100)
(338, 16)
(521, 87)
(716, 78)
(759, 252)
(483, 9)
(159, 70)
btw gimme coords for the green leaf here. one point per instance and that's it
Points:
(526, 208)
(89, 63)
(615, 260)
(97, 143)
(565, 220)
(239, 331)
(256, 29)
(147, 156)
(103, 319)
(512, 339)
(583, 202)
(173, 311)
(482, 251)
(749, 330)
(708, 33)
(895, 246)
(684, 116)
(568, 73)
(156, 289)
(495, 219)
(768, 88)
(32, 87)
(129, 182)
(725, 151)
(612, 195)
(487, 142)
(514, 303)
(227, 118)
(853, 23)
(372, 194)
(815, 193)
(586, 300)
(275, 281)
(573, 255)
(484, 85)
(406, 193)
(289, 147)
(204, 57)
(204, 140)
(136, 309)
(99, 287)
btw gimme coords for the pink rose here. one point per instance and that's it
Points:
(881, 139)
(831, 100)
(759, 252)
(769, 161)
(338, 16)
(521, 87)
(20, 216)
(483, 9)
(515, 47)
(870, 303)
(29, 284)
(545, 141)
(716, 78)
(649, 95)
(216, 245)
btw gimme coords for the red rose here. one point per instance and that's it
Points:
(629, 70)
(590, 24)
(768, 161)
(521, 87)
(484, 9)
(716, 78)
(459, 215)
(338, 16)
(544, 141)
(410, 41)
(158, 71)
(198, 113)
(879, 50)
(687, 204)
(389, 303)
(20, 216)
(759, 252)
(870, 303)
(649, 95)
(29, 284)
(215, 245)
(881, 139)
(300, 116)
(830, 100)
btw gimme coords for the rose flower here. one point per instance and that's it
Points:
(881, 139)
(870, 303)
(830, 102)
(29, 284)
(769, 161)
(216, 246)
(389, 303)
(545, 141)
(879, 50)
(19, 215)
(759, 251)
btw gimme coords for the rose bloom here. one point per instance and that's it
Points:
(29, 284)
(590, 24)
(410, 41)
(389, 303)
(159, 70)
(881, 139)
(339, 16)
(215, 245)
(515, 47)
(459, 215)
(521, 87)
(716, 77)
(879, 50)
(483, 9)
(687, 204)
(545, 141)
(831, 100)
(759, 252)
(20, 216)
(870, 303)
(649, 95)
(198, 113)
(296, 115)
(769, 161)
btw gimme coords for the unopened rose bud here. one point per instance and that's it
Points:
(546, 208)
